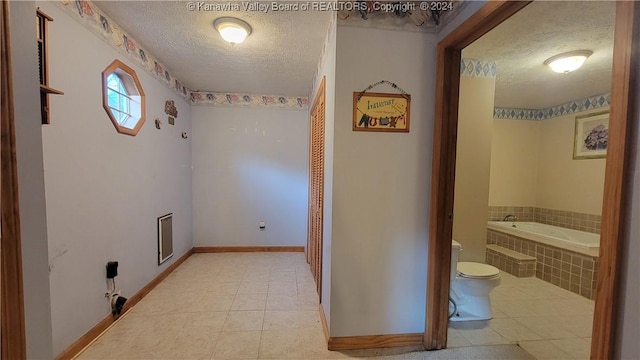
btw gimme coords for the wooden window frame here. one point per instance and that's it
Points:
(617, 172)
(131, 82)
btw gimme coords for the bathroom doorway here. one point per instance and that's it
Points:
(620, 120)
(515, 154)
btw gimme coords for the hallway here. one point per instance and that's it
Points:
(231, 305)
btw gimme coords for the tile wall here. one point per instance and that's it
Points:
(567, 219)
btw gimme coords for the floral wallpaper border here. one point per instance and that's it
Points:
(94, 19)
(231, 99)
(590, 103)
(478, 68)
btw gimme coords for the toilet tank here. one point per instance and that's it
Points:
(456, 248)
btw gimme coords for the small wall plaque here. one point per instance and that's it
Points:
(171, 120)
(170, 108)
(381, 112)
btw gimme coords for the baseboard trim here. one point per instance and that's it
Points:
(323, 320)
(374, 341)
(156, 281)
(86, 339)
(224, 249)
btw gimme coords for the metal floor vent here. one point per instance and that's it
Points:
(165, 238)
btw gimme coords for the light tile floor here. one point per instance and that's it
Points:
(264, 306)
(223, 306)
(547, 321)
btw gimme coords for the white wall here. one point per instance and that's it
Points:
(473, 162)
(514, 162)
(381, 185)
(105, 190)
(33, 216)
(249, 165)
(327, 69)
(532, 165)
(565, 183)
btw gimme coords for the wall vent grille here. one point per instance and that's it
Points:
(165, 238)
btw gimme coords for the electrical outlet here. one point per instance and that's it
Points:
(262, 225)
(112, 269)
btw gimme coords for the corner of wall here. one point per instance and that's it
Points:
(381, 188)
(470, 8)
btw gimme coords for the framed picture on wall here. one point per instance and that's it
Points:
(381, 112)
(591, 136)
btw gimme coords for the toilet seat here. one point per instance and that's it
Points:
(473, 270)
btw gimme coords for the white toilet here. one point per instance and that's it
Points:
(471, 284)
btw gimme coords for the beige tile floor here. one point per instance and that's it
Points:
(264, 306)
(223, 306)
(547, 321)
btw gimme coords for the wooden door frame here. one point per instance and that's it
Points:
(12, 331)
(617, 173)
(320, 95)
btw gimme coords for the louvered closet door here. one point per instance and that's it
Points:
(316, 185)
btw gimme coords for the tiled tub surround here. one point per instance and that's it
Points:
(524, 213)
(513, 262)
(568, 269)
(566, 219)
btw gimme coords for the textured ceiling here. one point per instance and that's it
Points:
(279, 57)
(521, 44)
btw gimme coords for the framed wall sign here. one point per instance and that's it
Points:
(591, 136)
(381, 112)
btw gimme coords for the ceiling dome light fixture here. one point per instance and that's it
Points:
(231, 29)
(568, 62)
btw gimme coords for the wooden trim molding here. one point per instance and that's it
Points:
(374, 341)
(86, 339)
(130, 80)
(323, 320)
(617, 177)
(227, 249)
(444, 160)
(12, 328)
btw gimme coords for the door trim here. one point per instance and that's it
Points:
(12, 331)
(617, 173)
(617, 177)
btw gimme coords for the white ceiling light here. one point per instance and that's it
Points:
(232, 30)
(568, 62)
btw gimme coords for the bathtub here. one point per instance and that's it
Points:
(579, 241)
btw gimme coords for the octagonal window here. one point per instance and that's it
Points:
(123, 98)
